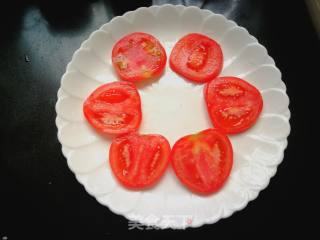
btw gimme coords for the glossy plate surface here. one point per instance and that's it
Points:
(173, 107)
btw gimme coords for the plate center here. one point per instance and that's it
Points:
(173, 107)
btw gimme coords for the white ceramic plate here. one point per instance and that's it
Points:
(173, 107)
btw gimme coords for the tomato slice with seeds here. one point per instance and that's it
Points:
(138, 161)
(114, 108)
(138, 56)
(203, 161)
(233, 104)
(197, 58)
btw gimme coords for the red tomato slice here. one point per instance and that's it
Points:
(203, 161)
(138, 56)
(233, 104)
(114, 108)
(197, 58)
(138, 161)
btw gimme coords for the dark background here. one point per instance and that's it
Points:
(40, 197)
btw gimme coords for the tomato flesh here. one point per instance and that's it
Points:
(197, 58)
(138, 56)
(233, 104)
(203, 161)
(114, 108)
(138, 161)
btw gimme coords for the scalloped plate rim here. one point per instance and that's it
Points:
(156, 8)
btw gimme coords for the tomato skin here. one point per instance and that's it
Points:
(114, 108)
(139, 161)
(203, 161)
(138, 56)
(233, 104)
(197, 57)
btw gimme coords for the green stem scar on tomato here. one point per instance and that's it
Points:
(138, 56)
(139, 161)
(197, 58)
(114, 108)
(203, 161)
(233, 104)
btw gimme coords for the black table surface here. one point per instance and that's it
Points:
(40, 197)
